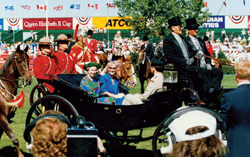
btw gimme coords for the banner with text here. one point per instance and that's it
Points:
(236, 22)
(54, 24)
(214, 22)
(1, 24)
(111, 23)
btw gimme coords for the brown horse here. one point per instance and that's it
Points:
(127, 71)
(17, 65)
(144, 71)
(102, 57)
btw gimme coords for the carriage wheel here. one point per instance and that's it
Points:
(159, 140)
(37, 92)
(52, 102)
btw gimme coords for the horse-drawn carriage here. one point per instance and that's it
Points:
(112, 121)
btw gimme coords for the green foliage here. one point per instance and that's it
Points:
(221, 55)
(228, 69)
(151, 16)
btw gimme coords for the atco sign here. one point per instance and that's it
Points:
(53, 24)
(111, 23)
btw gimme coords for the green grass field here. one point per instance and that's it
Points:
(18, 123)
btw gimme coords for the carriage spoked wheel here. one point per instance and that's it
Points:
(52, 102)
(160, 140)
(36, 93)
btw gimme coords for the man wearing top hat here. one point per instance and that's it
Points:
(155, 84)
(148, 48)
(44, 65)
(197, 46)
(177, 52)
(64, 61)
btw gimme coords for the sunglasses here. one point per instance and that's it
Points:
(112, 68)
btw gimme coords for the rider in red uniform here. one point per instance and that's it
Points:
(44, 65)
(64, 61)
(92, 44)
(81, 53)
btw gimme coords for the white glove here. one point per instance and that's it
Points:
(120, 95)
(209, 67)
(190, 61)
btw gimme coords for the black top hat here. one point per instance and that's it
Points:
(191, 23)
(145, 38)
(90, 32)
(174, 21)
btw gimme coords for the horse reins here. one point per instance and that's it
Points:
(220, 60)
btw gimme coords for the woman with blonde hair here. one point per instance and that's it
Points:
(110, 82)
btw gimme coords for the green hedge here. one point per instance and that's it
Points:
(227, 69)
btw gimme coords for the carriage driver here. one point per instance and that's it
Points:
(155, 84)
(44, 65)
(80, 52)
(64, 61)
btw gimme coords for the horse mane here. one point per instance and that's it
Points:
(7, 62)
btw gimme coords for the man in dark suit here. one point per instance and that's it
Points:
(148, 48)
(212, 76)
(71, 42)
(235, 110)
(176, 51)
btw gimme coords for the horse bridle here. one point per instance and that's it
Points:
(127, 73)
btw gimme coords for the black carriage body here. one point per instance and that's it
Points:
(116, 117)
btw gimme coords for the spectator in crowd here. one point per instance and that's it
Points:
(223, 34)
(208, 45)
(239, 38)
(132, 33)
(155, 84)
(243, 33)
(212, 34)
(207, 33)
(235, 111)
(51, 39)
(32, 35)
(101, 30)
(110, 83)
(231, 38)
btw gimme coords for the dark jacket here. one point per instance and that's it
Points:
(149, 50)
(235, 110)
(192, 49)
(173, 52)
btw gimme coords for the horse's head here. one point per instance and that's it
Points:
(141, 56)
(127, 71)
(22, 65)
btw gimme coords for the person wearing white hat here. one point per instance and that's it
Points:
(195, 135)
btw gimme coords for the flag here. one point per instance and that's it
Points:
(41, 7)
(110, 5)
(27, 7)
(205, 4)
(59, 7)
(11, 8)
(75, 6)
(224, 2)
(93, 5)
(244, 2)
